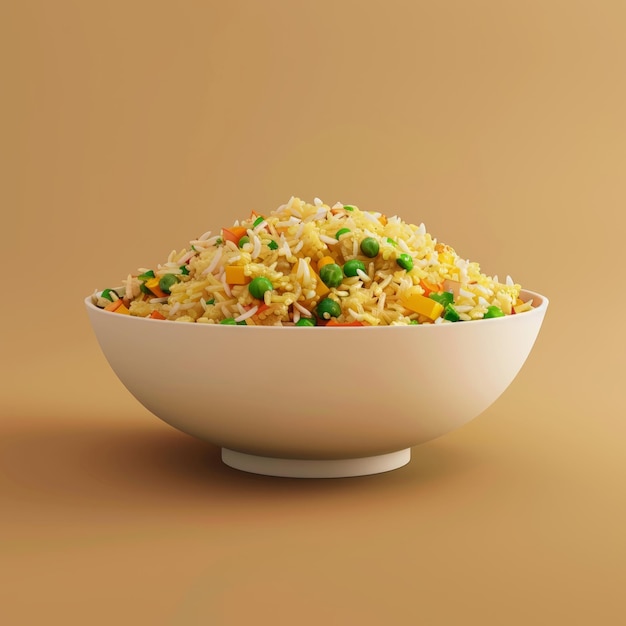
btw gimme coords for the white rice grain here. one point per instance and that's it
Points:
(364, 277)
(257, 247)
(247, 314)
(302, 310)
(213, 264)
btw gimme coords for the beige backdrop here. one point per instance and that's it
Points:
(127, 128)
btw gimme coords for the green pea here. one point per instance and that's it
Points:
(451, 314)
(244, 240)
(144, 289)
(405, 261)
(257, 221)
(229, 321)
(341, 231)
(493, 311)
(331, 275)
(258, 286)
(413, 322)
(167, 282)
(370, 247)
(272, 245)
(443, 297)
(305, 321)
(348, 207)
(328, 308)
(242, 323)
(350, 267)
(184, 270)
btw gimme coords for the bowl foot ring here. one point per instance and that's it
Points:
(316, 468)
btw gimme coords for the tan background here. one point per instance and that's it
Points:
(129, 127)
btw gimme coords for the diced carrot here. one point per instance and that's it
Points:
(155, 315)
(113, 305)
(429, 287)
(153, 286)
(117, 307)
(383, 220)
(333, 322)
(262, 307)
(234, 233)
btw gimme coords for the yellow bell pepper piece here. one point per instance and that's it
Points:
(325, 260)
(235, 275)
(320, 288)
(117, 307)
(418, 303)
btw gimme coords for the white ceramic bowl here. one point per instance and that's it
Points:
(317, 401)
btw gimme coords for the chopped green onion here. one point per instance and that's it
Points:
(272, 245)
(443, 297)
(146, 275)
(493, 311)
(107, 295)
(451, 314)
(258, 221)
(405, 261)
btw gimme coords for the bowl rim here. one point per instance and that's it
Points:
(536, 310)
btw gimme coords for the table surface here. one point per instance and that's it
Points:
(130, 127)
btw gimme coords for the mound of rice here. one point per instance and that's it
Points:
(403, 283)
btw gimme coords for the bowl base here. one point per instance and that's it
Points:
(316, 468)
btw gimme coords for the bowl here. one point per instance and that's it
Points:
(317, 401)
